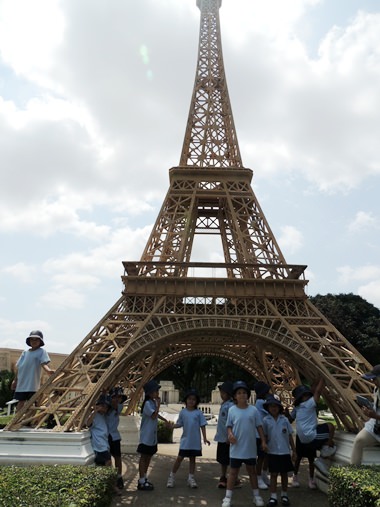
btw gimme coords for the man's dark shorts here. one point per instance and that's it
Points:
(23, 395)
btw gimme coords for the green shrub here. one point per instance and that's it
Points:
(164, 434)
(354, 486)
(56, 486)
(4, 420)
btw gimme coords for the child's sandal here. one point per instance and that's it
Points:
(272, 502)
(285, 500)
(145, 486)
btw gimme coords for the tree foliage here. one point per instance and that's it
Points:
(356, 319)
(204, 373)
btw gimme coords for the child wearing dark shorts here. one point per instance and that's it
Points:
(148, 432)
(117, 398)
(278, 432)
(193, 422)
(242, 421)
(221, 437)
(319, 437)
(262, 392)
(310, 453)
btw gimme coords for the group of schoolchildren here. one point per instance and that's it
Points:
(259, 436)
(105, 437)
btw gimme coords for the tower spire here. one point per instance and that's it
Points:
(210, 137)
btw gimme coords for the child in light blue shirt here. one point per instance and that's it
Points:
(278, 432)
(28, 368)
(242, 421)
(148, 432)
(221, 437)
(193, 422)
(117, 398)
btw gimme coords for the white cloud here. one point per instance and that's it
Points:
(362, 221)
(23, 272)
(16, 332)
(371, 291)
(291, 239)
(30, 33)
(63, 298)
(317, 116)
(361, 273)
(94, 99)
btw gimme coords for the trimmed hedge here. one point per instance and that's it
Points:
(56, 486)
(354, 486)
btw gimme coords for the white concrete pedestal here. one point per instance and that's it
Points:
(27, 446)
(344, 442)
(129, 428)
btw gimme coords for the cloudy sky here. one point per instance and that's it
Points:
(94, 97)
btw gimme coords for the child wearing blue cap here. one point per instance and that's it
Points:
(278, 432)
(242, 421)
(312, 436)
(221, 437)
(148, 432)
(193, 422)
(28, 368)
(99, 431)
(117, 398)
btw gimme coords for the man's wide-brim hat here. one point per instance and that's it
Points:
(374, 373)
(227, 387)
(35, 334)
(240, 384)
(300, 391)
(272, 400)
(192, 392)
(151, 386)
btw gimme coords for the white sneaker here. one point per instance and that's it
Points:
(327, 451)
(171, 482)
(312, 484)
(266, 479)
(295, 483)
(226, 502)
(261, 483)
(192, 483)
(258, 501)
(321, 465)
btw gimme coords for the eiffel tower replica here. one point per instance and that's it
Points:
(255, 313)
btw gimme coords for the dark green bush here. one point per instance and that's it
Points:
(164, 434)
(354, 486)
(56, 486)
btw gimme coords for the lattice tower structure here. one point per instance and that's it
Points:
(251, 309)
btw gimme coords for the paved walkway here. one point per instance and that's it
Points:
(207, 476)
